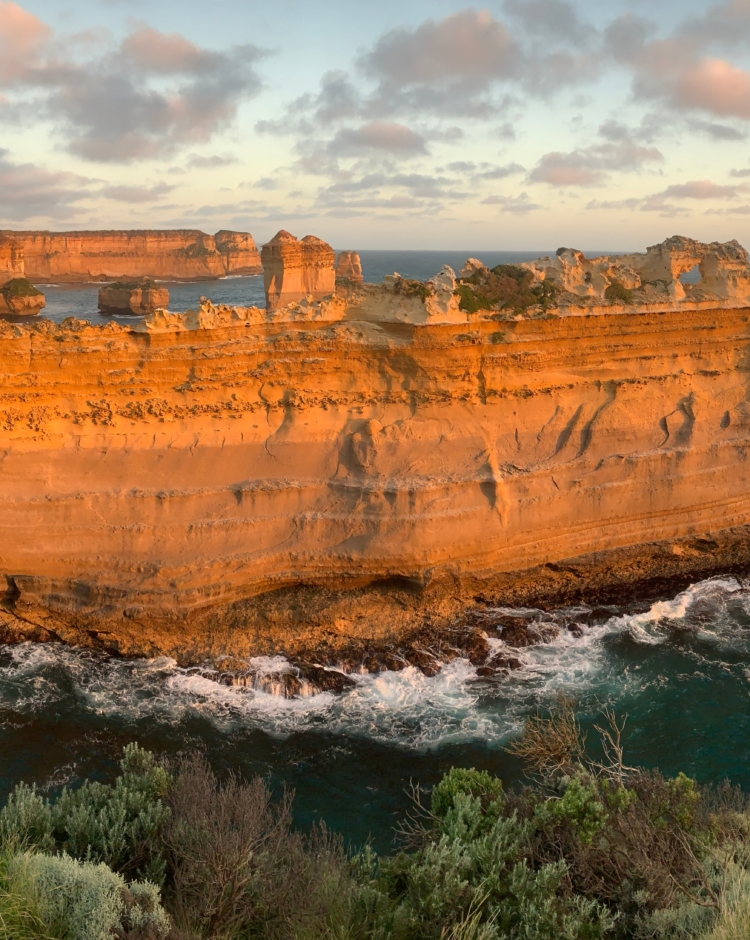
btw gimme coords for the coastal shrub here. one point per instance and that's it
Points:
(237, 868)
(76, 900)
(506, 286)
(616, 292)
(19, 287)
(119, 824)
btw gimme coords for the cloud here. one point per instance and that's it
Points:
(209, 163)
(379, 135)
(518, 205)
(588, 166)
(702, 189)
(136, 193)
(717, 131)
(147, 97)
(22, 39)
(550, 19)
(28, 191)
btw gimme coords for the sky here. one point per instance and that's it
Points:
(515, 125)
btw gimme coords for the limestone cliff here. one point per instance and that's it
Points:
(171, 254)
(235, 481)
(293, 270)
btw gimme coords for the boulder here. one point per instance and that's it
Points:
(294, 270)
(20, 298)
(349, 267)
(135, 297)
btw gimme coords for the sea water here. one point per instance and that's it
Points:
(678, 668)
(80, 300)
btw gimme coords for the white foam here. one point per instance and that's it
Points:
(405, 708)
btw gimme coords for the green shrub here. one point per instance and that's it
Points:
(19, 287)
(475, 783)
(119, 825)
(617, 293)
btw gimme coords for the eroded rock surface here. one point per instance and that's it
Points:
(169, 254)
(20, 298)
(358, 472)
(138, 297)
(295, 270)
(349, 267)
(11, 259)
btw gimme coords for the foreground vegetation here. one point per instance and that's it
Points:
(589, 849)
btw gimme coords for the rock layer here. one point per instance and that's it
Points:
(349, 267)
(11, 259)
(294, 270)
(236, 483)
(178, 254)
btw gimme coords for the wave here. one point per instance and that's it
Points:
(597, 660)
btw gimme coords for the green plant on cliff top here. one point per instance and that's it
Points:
(19, 287)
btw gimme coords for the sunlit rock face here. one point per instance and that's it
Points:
(11, 259)
(655, 275)
(137, 298)
(349, 267)
(294, 270)
(170, 254)
(244, 481)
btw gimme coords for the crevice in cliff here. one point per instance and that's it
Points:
(587, 430)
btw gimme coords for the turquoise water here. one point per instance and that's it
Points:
(679, 667)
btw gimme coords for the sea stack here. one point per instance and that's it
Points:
(349, 267)
(18, 296)
(293, 270)
(138, 297)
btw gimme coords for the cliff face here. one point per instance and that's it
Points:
(70, 257)
(257, 485)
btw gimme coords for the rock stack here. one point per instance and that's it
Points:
(18, 296)
(137, 297)
(349, 267)
(294, 270)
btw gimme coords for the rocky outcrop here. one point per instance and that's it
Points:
(171, 254)
(137, 297)
(20, 298)
(650, 277)
(11, 259)
(233, 482)
(349, 267)
(295, 270)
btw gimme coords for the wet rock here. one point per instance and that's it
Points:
(424, 661)
(325, 680)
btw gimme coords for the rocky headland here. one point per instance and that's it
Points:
(170, 254)
(377, 474)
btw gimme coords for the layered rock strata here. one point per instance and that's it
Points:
(19, 298)
(171, 254)
(11, 259)
(139, 298)
(349, 267)
(295, 270)
(359, 469)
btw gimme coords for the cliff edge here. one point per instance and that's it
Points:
(235, 480)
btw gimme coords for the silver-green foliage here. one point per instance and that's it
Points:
(118, 824)
(84, 900)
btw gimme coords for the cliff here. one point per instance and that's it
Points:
(236, 481)
(173, 254)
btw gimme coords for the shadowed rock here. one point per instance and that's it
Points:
(138, 298)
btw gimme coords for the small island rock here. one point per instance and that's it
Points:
(137, 297)
(20, 298)
(349, 267)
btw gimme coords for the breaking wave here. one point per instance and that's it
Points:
(613, 656)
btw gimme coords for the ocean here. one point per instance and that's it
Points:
(79, 300)
(678, 667)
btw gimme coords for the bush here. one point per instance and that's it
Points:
(617, 293)
(119, 825)
(19, 287)
(237, 866)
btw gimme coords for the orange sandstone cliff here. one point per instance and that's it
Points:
(172, 254)
(242, 481)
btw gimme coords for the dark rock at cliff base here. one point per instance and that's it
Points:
(136, 297)
(325, 680)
